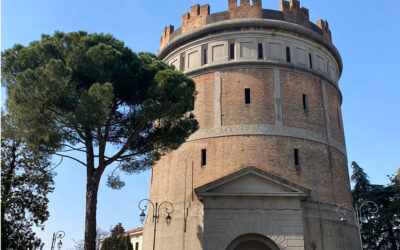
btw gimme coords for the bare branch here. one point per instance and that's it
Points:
(72, 148)
(58, 164)
(126, 145)
(124, 157)
(70, 157)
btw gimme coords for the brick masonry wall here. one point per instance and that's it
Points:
(261, 109)
(271, 153)
(335, 113)
(204, 105)
(274, 154)
(293, 86)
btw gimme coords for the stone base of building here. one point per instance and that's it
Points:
(252, 209)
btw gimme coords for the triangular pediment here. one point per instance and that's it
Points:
(252, 181)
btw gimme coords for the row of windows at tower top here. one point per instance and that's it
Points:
(295, 158)
(260, 53)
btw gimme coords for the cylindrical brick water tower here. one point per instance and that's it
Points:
(268, 168)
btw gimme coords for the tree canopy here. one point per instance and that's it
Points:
(80, 92)
(117, 240)
(383, 230)
(26, 180)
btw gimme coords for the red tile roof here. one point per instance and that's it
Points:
(139, 229)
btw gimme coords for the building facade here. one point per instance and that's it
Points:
(135, 235)
(268, 168)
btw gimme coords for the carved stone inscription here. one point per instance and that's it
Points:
(238, 130)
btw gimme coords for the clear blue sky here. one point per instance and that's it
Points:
(365, 32)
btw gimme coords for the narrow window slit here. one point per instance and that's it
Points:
(305, 108)
(310, 59)
(296, 157)
(288, 54)
(203, 157)
(232, 51)
(205, 59)
(260, 51)
(247, 96)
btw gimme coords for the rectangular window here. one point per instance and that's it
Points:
(288, 54)
(137, 246)
(205, 53)
(338, 119)
(310, 59)
(247, 96)
(296, 157)
(232, 51)
(260, 51)
(305, 102)
(203, 157)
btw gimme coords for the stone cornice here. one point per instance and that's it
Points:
(246, 23)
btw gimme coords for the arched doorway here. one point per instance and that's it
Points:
(252, 242)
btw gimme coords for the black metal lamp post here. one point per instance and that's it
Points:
(371, 206)
(59, 235)
(59, 245)
(169, 209)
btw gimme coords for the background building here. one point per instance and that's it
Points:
(268, 168)
(136, 236)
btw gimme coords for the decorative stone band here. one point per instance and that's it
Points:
(265, 129)
(245, 23)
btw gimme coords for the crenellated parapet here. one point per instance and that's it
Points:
(199, 16)
(196, 18)
(167, 31)
(324, 26)
(293, 13)
(245, 10)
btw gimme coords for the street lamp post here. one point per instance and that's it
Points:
(371, 206)
(59, 235)
(169, 209)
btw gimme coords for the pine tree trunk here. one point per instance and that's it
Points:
(92, 187)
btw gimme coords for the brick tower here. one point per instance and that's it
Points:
(268, 168)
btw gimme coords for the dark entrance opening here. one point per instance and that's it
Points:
(252, 241)
(252, 245)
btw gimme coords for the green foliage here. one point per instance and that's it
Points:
(115, 242)
(80, 92)
(117, 230)
(361, 182)
(25, 183)
(90, 89)
(383, 230)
